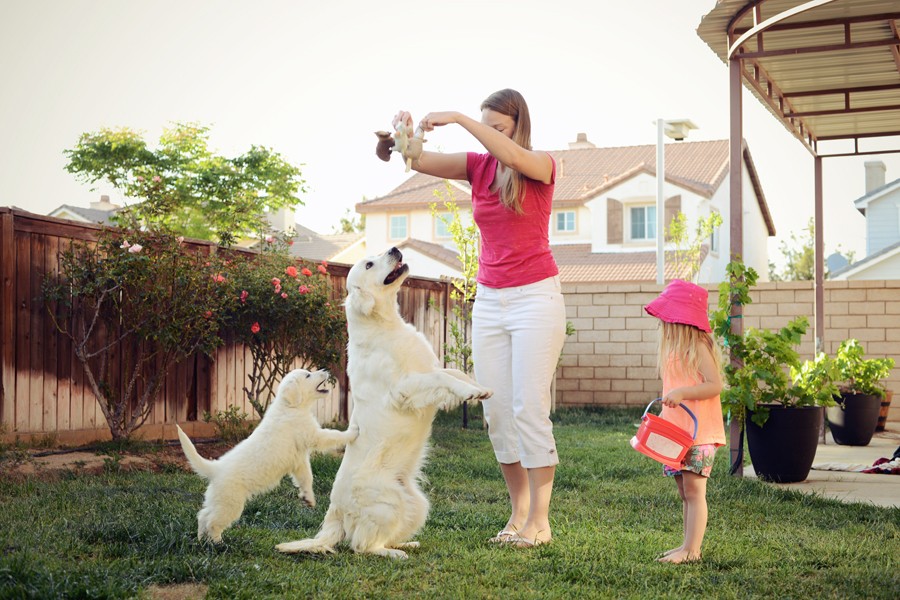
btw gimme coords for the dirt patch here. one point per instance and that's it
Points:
(181, 591)
(51, 463)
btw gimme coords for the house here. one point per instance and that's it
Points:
(603, 224)
(340, 247)
(881, 208)
(98, 212)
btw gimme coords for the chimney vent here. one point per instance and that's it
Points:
(875, 170)
(104, 204)
(581, 141)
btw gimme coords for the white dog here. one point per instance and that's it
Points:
(280, 445)
(398, 385)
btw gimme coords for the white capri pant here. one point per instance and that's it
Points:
(517, 337)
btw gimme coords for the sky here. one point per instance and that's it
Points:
(314, 79)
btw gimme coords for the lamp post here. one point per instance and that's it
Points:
(677, 129)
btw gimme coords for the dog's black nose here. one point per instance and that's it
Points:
(395, 253)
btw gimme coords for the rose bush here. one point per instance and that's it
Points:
(283, 310)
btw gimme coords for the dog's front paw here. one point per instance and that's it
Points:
(308, 498)
(400, 401)
(480, 394)
(352, 433)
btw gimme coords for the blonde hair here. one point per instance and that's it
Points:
(679, 346)
(511, 103)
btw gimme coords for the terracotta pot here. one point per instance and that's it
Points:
(885, 407)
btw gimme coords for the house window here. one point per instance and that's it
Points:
(643, 223)
(398, 227)
(442, 225)
(714, 241)
(565, 221)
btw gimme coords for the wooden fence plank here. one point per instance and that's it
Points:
(7, 321)
(51, 407)
(23, 333)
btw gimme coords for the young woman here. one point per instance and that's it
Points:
(519, 316)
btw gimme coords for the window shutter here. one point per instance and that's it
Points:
(673, 207)
(614, 222)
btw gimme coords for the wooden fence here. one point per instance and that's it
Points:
(42, 385)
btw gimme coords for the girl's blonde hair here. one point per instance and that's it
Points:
(682, 343)
(511, 103)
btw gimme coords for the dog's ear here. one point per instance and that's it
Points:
(361, 301)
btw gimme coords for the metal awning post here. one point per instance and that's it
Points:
(736, 208)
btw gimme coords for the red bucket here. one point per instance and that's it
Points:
(661, 440)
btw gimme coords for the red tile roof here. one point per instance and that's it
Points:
(585, 172)
(577, 264)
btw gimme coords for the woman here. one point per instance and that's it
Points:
(519, 317)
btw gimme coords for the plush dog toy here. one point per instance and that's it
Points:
(410, 148)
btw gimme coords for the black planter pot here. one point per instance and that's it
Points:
(853, 422)
(783, 449)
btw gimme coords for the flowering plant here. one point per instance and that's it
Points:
(283, 310)
(134, 304)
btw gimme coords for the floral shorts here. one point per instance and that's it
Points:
(699, 460)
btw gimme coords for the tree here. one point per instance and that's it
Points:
(687, 251)
(800, 256)
(351, 223)
(462, 291)
(183, 186)
(134, 304)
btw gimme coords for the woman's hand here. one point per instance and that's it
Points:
(403, 118)
(438, 119)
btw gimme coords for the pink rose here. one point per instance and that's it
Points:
(291, 271)
(244, 295)
(276, 281)
(125, 244)
(135, 248)
(306, 272)
(322, 269)
(284, 294)
(254, 328)
(303, 289)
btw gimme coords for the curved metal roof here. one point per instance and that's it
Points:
(827, 69)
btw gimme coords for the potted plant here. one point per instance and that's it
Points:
(766, 381)
(853, 419)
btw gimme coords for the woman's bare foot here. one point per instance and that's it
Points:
(680, 556)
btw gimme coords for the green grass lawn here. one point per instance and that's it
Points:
(114, 535)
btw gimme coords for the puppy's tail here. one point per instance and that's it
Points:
(203, 467)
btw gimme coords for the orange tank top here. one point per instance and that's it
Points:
(710, 424)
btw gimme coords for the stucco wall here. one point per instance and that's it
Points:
(611, 357)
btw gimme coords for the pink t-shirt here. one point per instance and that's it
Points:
(515, 249)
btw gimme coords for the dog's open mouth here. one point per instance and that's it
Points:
(398, 271)
(322, 387)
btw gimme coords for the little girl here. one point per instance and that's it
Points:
(689, 365)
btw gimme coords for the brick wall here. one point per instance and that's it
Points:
(611, 357)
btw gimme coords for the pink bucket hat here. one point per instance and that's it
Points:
(682, 302)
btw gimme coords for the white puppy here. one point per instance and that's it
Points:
(398, 385)
(280, 445)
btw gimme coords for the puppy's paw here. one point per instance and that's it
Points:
(308, 498)
(352, 433)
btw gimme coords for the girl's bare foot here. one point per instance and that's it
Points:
(679, 557)
(668, 552)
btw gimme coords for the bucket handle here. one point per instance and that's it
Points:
(682, 406)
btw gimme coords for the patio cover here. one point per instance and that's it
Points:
(828, 70)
